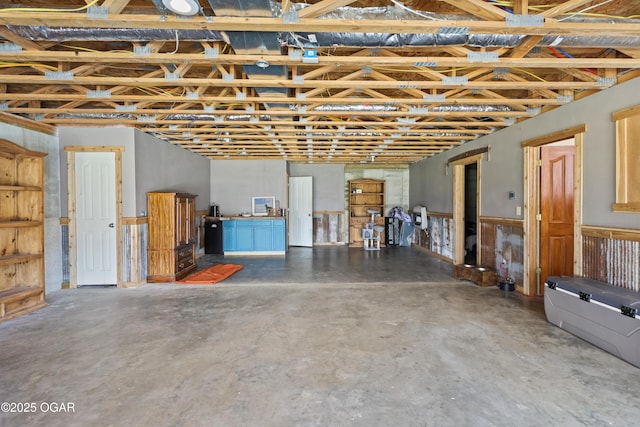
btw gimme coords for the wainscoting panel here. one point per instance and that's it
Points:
(612, 256)
(438, 238)
(134, 251)
(328, 227)
(502, 246)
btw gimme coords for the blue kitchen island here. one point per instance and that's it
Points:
(256, 235)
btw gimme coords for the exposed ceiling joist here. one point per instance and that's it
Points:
(318, 84)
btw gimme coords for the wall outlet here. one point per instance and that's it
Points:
(518, 210)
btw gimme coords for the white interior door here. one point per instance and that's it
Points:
(301, 211)
(95, 218)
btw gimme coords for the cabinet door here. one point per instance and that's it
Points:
(279, 236)
(244, 236)
(229, 236)
(190, 220)
(185, 220)
(181, 213)
(263, 237)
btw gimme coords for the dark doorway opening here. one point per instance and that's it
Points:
(470, 213)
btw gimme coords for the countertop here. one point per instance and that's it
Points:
(227, 218)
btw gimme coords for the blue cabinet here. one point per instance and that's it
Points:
(254, 235)
(229, 236)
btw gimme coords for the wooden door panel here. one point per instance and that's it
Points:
(556, 208)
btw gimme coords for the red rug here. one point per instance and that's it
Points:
(211, 275)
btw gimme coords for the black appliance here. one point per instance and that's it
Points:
(392, 231)
(214, 210)
(213, 236)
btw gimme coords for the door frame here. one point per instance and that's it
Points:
(532, 283)
(71, 151)
(459, 204)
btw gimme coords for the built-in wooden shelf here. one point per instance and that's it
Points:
(18, 258)
(21, 230)
(20, 188)
(19, 224)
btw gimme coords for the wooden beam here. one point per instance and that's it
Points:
(311, 84)
(19, 40)
(632, 52)
(479, 8)
(521, 7)
(27, 123)
(468, 154)
(553, 137)
(563, 7)
(258, 24)
(162, 101)
(115, 6)
(387, 59)
(525, 47)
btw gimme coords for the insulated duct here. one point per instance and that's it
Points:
(258, 43)
(266, 117)
(301, 39)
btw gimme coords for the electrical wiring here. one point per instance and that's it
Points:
(37, 9)
(26, 64)
(86, 49)
(535, 76)
(584, 10)
(561, 53)
(154, 91)
(451, 70)
(177, 44)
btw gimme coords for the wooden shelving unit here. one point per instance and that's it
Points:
(364, 194)
(21, 230)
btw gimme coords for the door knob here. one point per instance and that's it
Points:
(112, 225)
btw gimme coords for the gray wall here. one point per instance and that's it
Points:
(234, 182)
(52, 232)
(114, 136)
(502, 170)
(328, 184)
(160, 165)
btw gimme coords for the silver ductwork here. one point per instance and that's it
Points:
(268, 9)
(111, 34)
(177, 117)
(266, 117)
(352, 107)
(456, 108)
(259, 43)
(437, 109)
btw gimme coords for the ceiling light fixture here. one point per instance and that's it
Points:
(182, 7)
(262, 63)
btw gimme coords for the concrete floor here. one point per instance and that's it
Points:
(324, 337)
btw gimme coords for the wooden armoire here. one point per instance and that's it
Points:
(172, 236)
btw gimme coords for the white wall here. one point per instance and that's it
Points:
(503, 170)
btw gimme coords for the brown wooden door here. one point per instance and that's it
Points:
(556, 208)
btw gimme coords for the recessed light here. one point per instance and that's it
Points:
(262, 63)
(182, 7)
